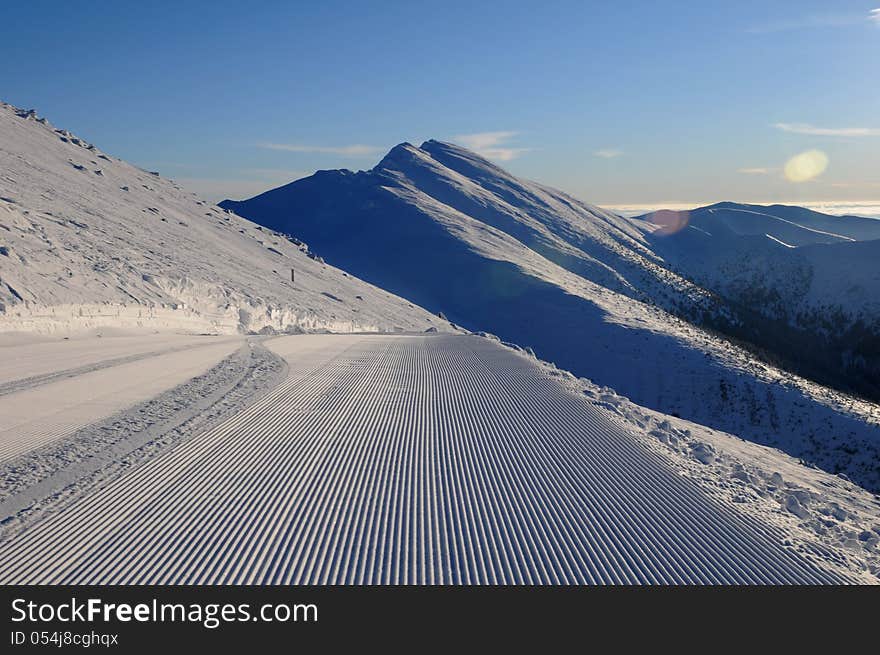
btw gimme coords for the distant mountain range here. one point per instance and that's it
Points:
(803, 285)
(646, 305)
(727, 245)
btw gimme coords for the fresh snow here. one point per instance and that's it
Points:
(822, 514)
(826, 264)
(28, 362)
(779, 241)
(41, 480)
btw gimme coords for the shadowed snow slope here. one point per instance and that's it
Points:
(89, 241)
(807, 285)
(724, 244)
(582, 286)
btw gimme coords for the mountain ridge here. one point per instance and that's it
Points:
(804, 283)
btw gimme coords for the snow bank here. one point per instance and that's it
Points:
(819, 514)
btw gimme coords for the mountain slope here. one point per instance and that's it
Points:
(446, 180)
(806, 284)
(723, 244)
(89, 241)
(583, 287)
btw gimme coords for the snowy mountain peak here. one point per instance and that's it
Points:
(399, 155)
(443, 159)
(449, 152)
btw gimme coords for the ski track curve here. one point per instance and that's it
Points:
(33, 363)
(39, 415)
(23, 384)
(405, 460)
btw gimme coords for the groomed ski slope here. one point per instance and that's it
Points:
(405, 460)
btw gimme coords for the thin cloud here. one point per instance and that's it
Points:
(755, 171)
(875, 15)
(812, 130)
(810, 22)
(868, 208)
(355, 150)
(491, 144)
(608, 153)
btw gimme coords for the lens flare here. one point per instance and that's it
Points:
(669, 222)
(806, 166)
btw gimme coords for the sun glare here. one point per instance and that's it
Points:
(669, 222)
(806, 166)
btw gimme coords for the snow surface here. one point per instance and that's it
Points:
(410, 460)
(31, 362)
(822, 514)
(396, 458)
(43, 479)
(585, 288)
(43, 413)
(89, 242)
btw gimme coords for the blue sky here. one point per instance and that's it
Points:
(618, 103)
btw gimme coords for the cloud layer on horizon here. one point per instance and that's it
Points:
(867, 209)
(757, 170)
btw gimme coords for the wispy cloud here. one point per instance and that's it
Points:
(874, 15)
(810, 22)
(492, 145)
(812, 130)
(758, 170)
(608, 153)
(354, 150)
